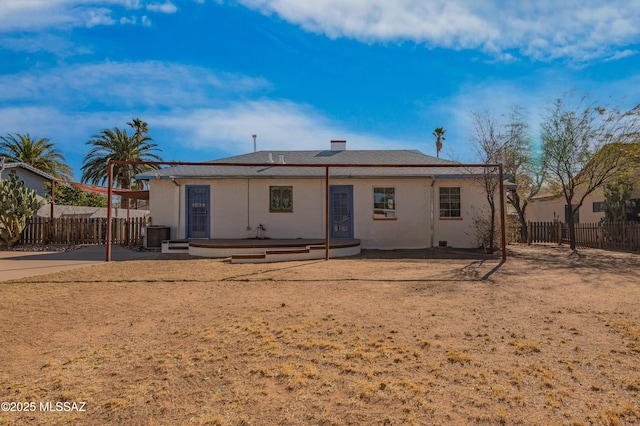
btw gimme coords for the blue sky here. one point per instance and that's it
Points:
(382, 74)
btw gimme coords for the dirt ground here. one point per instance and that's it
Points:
(408, 337)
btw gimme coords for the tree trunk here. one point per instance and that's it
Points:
(571, 223)
(492, 226)
(524, 230)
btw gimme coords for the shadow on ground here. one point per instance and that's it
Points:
(430, 253)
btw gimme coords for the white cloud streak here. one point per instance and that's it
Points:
(190, 106)
(534, 96)
(200, 134)
(59, 46)
(581, 30)
(545, 29)
(166, 7)
(280, 125)
(138, 84)
(33, 15)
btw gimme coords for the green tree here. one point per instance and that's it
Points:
(489, 144)
(507, 142)
(584, 145)
(39, 153)
(73, 196)
(115, 144)
(521, 163)
(439, 134)
(18, 204)
(616, 195)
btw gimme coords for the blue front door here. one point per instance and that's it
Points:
(198, 211)
(341, 211)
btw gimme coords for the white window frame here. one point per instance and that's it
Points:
(449, 202)
(384, 208)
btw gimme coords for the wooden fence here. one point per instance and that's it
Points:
(609, 236)
(43, 230)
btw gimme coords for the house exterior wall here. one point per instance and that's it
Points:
(238, 206)
(30, 179)
(550, 210)
(461, 232)
(165, 206)
(410, 227)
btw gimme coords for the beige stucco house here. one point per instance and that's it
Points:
(551, 208)
(383, 207)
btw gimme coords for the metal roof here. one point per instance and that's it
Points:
(32, 169)
(272, 167)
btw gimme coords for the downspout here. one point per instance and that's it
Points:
(432, 221)
(179, 216)
(249, 198)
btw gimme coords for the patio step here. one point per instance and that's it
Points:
(278, 255)
(262, 251)
(169, 246)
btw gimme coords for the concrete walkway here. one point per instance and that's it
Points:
(21, 264)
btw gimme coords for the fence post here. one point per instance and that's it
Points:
(601, 235)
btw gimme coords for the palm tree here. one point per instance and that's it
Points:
(141, 127)
(39, 153)
(115, 144)
(439, 134)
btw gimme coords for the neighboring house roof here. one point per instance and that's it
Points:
(350, 158)
(547, 196)
(32, 169)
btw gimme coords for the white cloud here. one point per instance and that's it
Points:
(51, 122)
(532, 94)
(196, 135)
(166, 7)
(59, 46)
(67, 130)
(280, 125)
(128, 20)
(137, 84)
(38, 14)
(622, 54)
(98, 16)
(544, 29)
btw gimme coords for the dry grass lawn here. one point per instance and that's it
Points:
(383, 338)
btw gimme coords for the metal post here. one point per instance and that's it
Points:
(53, 196)
(109, 205)
(502, 216)
(326, 213)
(51, 211)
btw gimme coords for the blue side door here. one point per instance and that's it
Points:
(341, 211)
(198, 221)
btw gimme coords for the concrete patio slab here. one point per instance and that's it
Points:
(20, 264)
